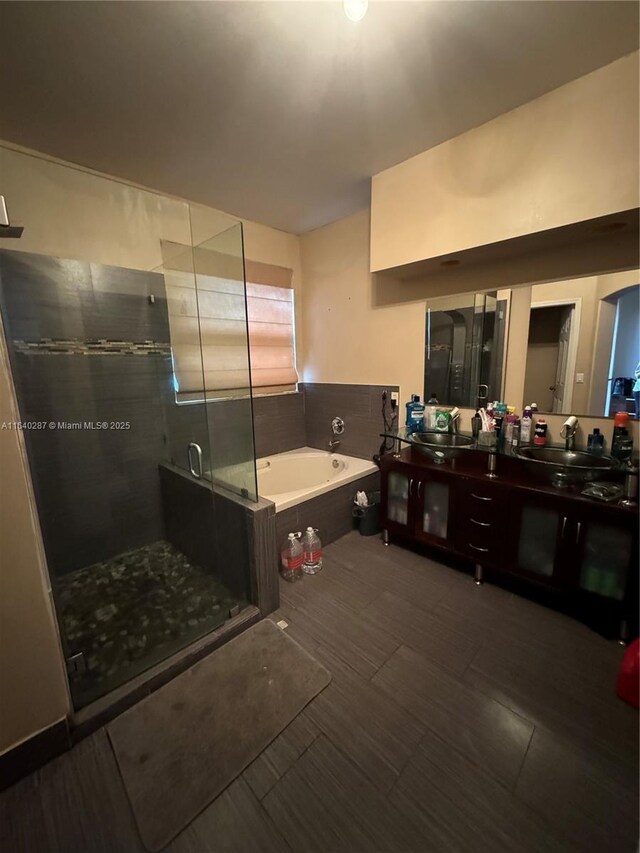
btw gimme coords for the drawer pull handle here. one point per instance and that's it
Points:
(481, 523)
(475, 548)
(480, 497)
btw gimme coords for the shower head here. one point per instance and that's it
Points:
(6, 229)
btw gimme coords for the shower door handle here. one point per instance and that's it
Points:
(197, 471)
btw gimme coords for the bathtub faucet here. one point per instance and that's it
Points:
(337, 428)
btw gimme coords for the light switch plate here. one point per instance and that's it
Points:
(579, 378)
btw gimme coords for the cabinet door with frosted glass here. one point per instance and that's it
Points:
(537, 539)
(606, 549)
(434, 508)
(397, 488)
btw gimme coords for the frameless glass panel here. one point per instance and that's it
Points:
(435, 509)
(398, 498)
(224, 344)
(605, 560)
(537, 543)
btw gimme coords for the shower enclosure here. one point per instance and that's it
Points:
(134, 393)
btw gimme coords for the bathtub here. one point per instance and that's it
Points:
(290, 478)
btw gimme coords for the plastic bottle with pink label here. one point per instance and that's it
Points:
(291, 558)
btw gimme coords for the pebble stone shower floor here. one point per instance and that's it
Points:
(127, 613)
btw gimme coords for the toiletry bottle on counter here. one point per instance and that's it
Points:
(415, 414)
(312, 552)
(540, 436)
(622, 445)
(431, 412)
(525, 427)
(595, 442)
(509, 422)
(476, 425)
(620, 426)
(291, 558)
(515, 436)
(442, 421)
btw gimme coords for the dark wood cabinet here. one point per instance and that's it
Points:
(582, 552)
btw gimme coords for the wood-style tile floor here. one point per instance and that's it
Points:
(459, 718)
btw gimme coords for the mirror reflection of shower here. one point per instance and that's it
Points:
(463, 351)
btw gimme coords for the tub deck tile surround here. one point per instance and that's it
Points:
(408, 749)
(330, 513)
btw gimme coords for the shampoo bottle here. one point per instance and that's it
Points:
(540, 437)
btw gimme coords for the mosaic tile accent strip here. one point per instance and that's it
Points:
(102, 346)
(127, 613)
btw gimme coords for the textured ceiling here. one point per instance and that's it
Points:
(281, 111)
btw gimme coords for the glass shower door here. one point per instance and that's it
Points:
(223, 312)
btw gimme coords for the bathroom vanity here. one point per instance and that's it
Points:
(577, 553)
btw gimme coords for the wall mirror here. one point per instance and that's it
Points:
(464, 348)
(583, 348)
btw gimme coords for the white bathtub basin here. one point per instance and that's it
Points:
(297, 475)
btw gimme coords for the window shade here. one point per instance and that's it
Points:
(271, 336)
(215, 316)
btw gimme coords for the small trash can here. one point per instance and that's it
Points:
(368, 517)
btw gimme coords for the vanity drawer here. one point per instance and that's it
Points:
(482, 504)
(481, 539)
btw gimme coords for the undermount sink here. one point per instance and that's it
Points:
(441, 445)
(567, 466)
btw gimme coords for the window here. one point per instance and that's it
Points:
(215, 316)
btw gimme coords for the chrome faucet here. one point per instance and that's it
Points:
(568, 432)
(454, 423)
(337, 427)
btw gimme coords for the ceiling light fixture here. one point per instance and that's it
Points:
(355, 10)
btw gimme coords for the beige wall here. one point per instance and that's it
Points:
(347, 337)
(568, 156)
(74, 213)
